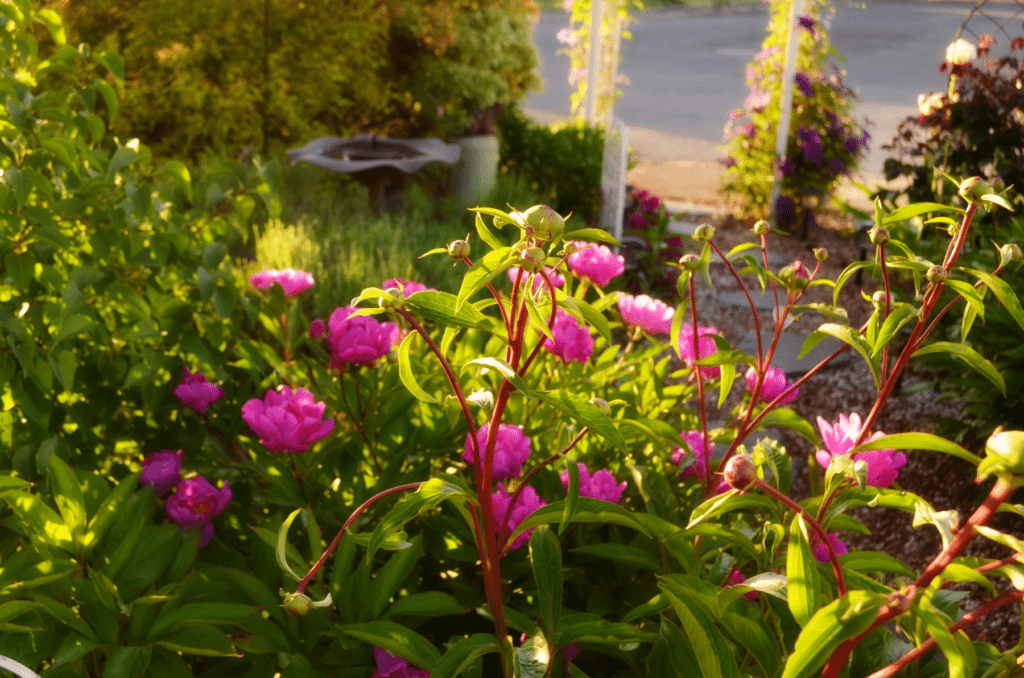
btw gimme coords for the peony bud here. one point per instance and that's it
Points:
(602, 405)
(740, 472)
(690, 262)
(879, 299)
(532, 260)
(545, 223)
(820, 253)
(459, 249)
(704, 233)
(761, 227)
(974, 188)
(297, 604)
(936, 274)
(1010, 252)
(878, 235)
(1008, 448)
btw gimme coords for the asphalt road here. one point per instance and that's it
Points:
(686, 70)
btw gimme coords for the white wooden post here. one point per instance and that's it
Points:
(593, 61)
(786, 106)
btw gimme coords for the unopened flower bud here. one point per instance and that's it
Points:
(936, 274)
(545, 223)
(459, 249)
(602, 405)
(820, 253)
(740, 472)
(761, 227)
(704, 232)
(1010, 252)
(532, 260)
(690, 262)
(974, 188)
(878, 235)
(879, 299)
(297, 604)
(1008, 448)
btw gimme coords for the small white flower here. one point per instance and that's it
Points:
(961, 52)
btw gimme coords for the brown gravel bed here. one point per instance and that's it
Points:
(942, 480)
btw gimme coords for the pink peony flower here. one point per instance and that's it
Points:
(390, 666)
(162, 470)
(360, 340)
(697, 446)
(196, 502)
(286, 420)
(596, 262)
(651, 315)
(883, 465)
(511, 450)
(527, 503)
(821, 551)
(291, 281)
(197, 392)
(736, 578)
(601, 485)
(774, 385)
(572, 340)
(801, 270)
(705, 347)
(406, 287)
(557, 279)
(317, 329)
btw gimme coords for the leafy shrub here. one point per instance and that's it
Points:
(562, 161)
(824, 142)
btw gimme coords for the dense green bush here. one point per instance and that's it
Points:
(562, 161)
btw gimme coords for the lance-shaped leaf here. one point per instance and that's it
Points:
(441, 307)
(1003, 292)
(583, 412)
(487, 269)
(485, 233)
(406, 373)
(502, 368)
(282, 544)
(969, 356)
(849, 336)
(546, 558)
(713, 654)
(841, 619)
(430, 494)
(463, 653)
(900, 316)
(397, 640)
(802, 572)
(596, 234)
(572, 498)
(532, 657)
(916, 441)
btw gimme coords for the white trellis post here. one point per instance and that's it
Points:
(786, 106)
(593, 60)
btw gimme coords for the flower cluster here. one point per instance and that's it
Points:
(883, 465)
(527, 503)
(774, 385)
(651, 315)
(705, 347)
(287, 420)
(601, 485)
(358, 340)
(571, 339)
(197, 392)
(597, 263)
(291, 281)
(511, 450)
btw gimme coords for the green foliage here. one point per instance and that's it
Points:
(824, 142)
(562, 162)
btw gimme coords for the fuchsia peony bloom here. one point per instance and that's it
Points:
(162, 470)
(700, 448)
(801, 270)
(651, 315)
(572, 340)
(883, 465)
(360, 340)
(774, 385)
(390, 666)
(557, 279)
(705, 348)
(197, 392)
(596, 262)
(527, 503)
(821, 551)
(196, 502)
(406, 287)
(737, 578)
(317, 328)
(511, 450)
(601, 485)
(291, 281)
(286, 420)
